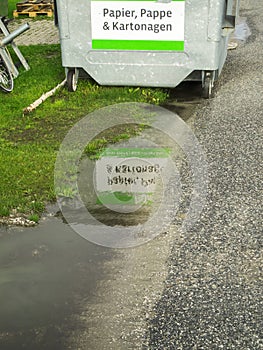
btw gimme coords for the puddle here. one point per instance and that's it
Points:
(47, 273)
(44, 271)
(184, 99)
(242, 30)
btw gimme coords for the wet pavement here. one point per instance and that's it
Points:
(45, 274)
(196, 290)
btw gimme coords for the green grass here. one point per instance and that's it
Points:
(29, 143)
(11, 7)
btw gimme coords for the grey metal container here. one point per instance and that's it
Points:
(145, 43)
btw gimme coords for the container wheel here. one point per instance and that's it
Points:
(72, 80)
(207, 85)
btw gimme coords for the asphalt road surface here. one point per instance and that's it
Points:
(213, 293)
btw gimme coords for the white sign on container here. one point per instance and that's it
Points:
(138, 25)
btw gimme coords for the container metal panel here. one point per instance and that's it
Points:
(205, 44)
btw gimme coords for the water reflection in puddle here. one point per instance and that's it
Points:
(44, 271)
(47, 272)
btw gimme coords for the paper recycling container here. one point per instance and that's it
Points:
(144, 42)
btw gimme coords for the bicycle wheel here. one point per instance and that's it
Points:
(6, 79)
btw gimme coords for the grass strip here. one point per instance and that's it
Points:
(29, 143)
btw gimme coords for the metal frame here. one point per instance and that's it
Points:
(9, 39)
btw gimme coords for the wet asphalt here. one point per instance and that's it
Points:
(46, 273)
(211, 297)
(213, 293)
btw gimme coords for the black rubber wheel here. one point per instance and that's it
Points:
(6, 79)
(207, 87)
(72, 80)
